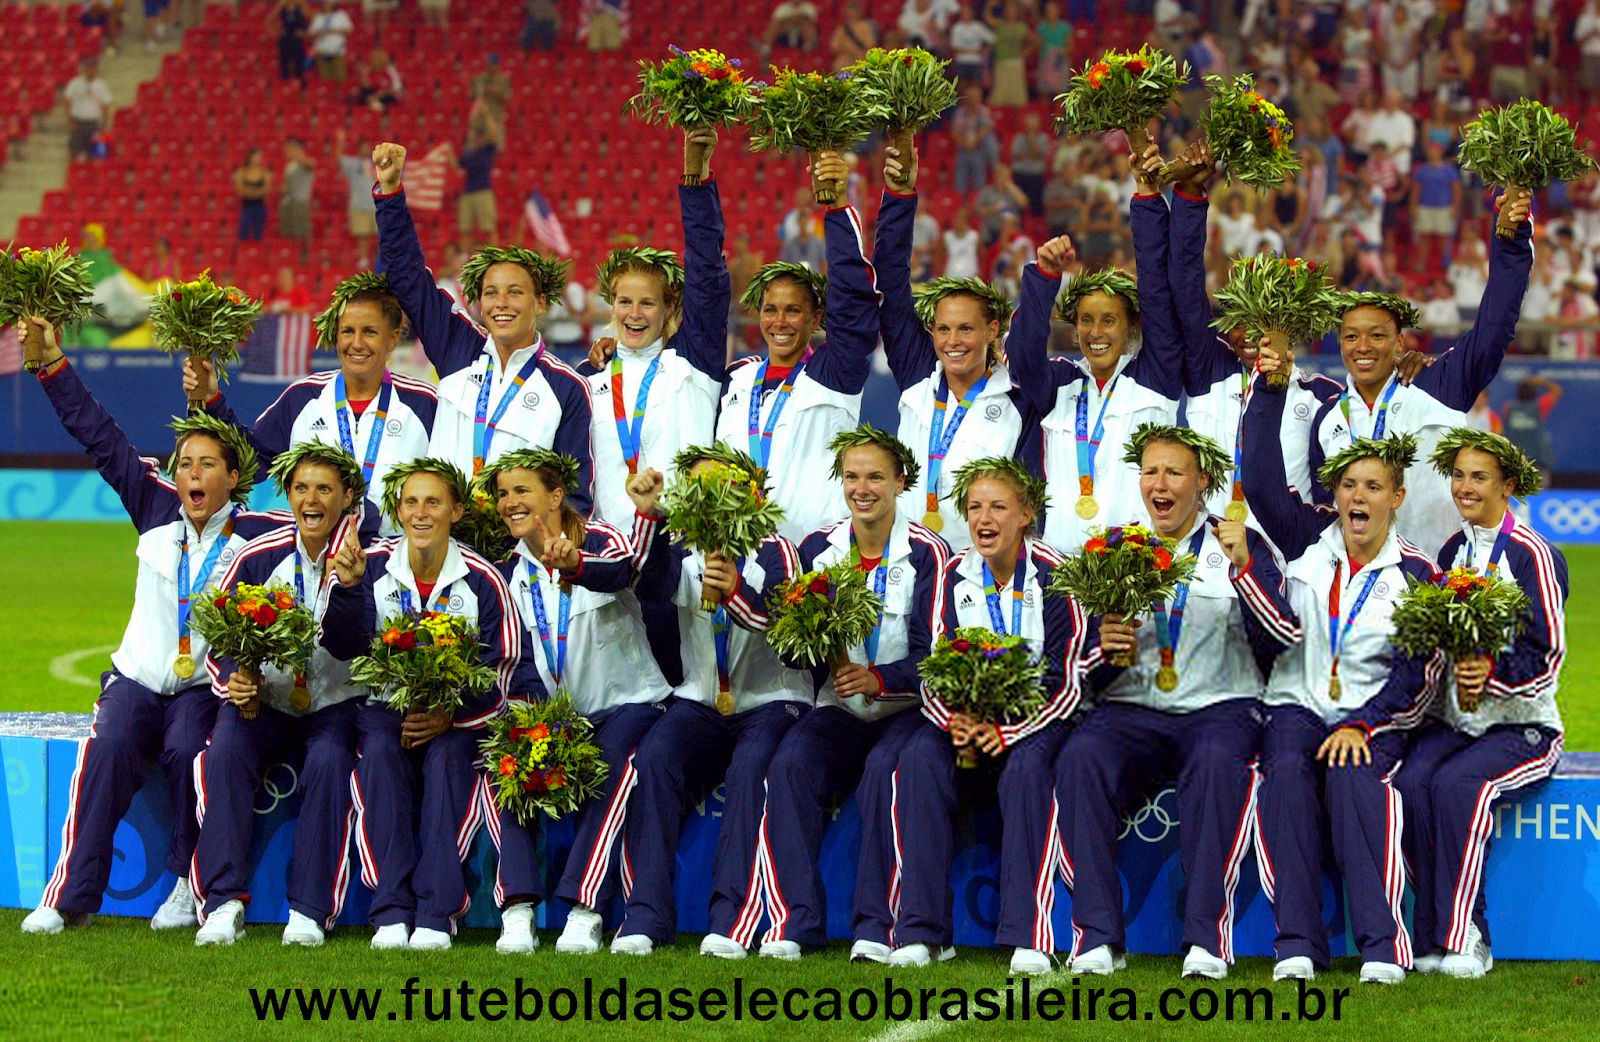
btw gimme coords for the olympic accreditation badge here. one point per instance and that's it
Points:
(1087, 508)
(183, 667)
(1166, 678)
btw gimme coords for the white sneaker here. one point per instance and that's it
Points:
(177, 911)
(581, 936)
(516, 931)
(426, 940)
(1030, 962)
(869, 951)
(632, 944)
(1201, 963)
(1382, 973)
(224, 926)
(1428, 963)
(920, 955)
(722, 947)
(788, 951)
(45, 919)
(1472, 961)
(391, 937)
(1296, 967)
(302, 930)
(1099, 962)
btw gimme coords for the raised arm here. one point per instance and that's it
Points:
(499, 647)
(1028, 342)
(851, 309)
(607, 561)
(907, 345)
(1159, 363)
(1206, 357)
(351, 617)
(707, 290)
(1290, 523)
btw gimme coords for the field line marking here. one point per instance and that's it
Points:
(916, 1030)
(63, 667)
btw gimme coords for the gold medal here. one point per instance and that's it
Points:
(1333, 688)
(725, 703)
(1166, 678)
(183, 667)
(1235, 510)
(1087, 508)
(300, 699)
(932, 521)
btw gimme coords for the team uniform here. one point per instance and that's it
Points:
(1076, 448)
(144, 709)
(692, 746)
(1437, 399)
(591, 644)
(227, 771)
(1346, 676)
(920, 783)
(823, 755)
(533, 401)
(421, 884)
(378, 433)
(1219, 631)
(1461, 763)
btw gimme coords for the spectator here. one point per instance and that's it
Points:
(922, 269)
(603, 27)
(1543, 69)
(1355, 123)
(375, 13)
(1320, 136)
(380, 88)
(1235, 230)
(1103, 233)
(252, 181)
(960, 247)
(970, 40)
(1457, 70)
(163, 269)
(743, 263)
(999, 198)
(1586, 32)
(330, 36)
(854, 36)
(925, 231)
(1435, 204)
(803, 215)
(1355, 46)
(87, 100)
(287, 295)
(155, 22)
(1064, 201)
(541, 21)
(924, 21)
(1384, 173)
(491, 90)
(1398, 49)
(1013, 41)
(292, 19)
(475, 211)
(1313, 180)
(1481, 416)
(437, 14)
(563, 323)
(294, 204)
(976, 148)
(1469, 274)
(1524, 420)
(360, 209)
(1011, 252)
(1396, 127)
(1439, 311)
(793, 24)
(1054, 34)
(1441, 127)
(805, 248)
(1311, 96)
(1173, 24)
(448, 277)
(108, 15)
(1578, 316)
(1205, 56)
(1510, 40)
(1030, 157)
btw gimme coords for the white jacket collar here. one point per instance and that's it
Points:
(1332, 540)
(455, 566)
(899, 545)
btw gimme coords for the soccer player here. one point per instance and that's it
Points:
(1347, 699)
(571, 581)
(264, 714)
(499, 390)
(696, 744)
(380, 418)
(862, 706)
(152, 703)
(1190, 701)
(997, 583)
(1468, 756)
(420, 884)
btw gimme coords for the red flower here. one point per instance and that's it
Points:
(535, 782)
(508, 766)
(1163, 558)
(1135, 65)
(266, 615)
(406, 641)
(906, 60)
(961, 645)
(221, 602)
(176, 295)
(818, 585)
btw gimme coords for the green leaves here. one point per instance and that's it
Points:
(817, 617)
(1120, 91)
(549, 274)
(481, 526)
(1113, 282)
(1523, 145)
(1267, 293)
(327, 323)
(990, 677)
(664, 263)
(1248, 133)
(255, 626)
(542, 759)
(1121, 571)
(203, 319)
(719, 503)
(698, 88)
(1463, 616)
(423, 664)
(926, 297)
(909, 84)
(1511, 459)
(811, 111)
(51, 283)
(1397, 451)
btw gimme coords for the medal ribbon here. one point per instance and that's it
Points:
(1238, 445)
(186, 590)
(556, 660)
(482, 430)
(1336, 634)
(880, 583)
(1169, 624)
(1380, 419)
(349, 424)
(719, 637)
(991, 594)
(940, 434)
(630, 437)
(761, 437)
(1506, 525)
(1089, 444)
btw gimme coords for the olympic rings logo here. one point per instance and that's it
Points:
(1143, 824)
(1569, 515)
(270, 788)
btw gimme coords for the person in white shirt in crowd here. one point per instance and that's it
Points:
(960, 248)
(1395, 126)
(330, 35)
(87, 101)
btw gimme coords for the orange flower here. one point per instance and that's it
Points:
(1272, 135)
(1095, 546)
(538, 731)
(558, 778)
(285, 599)
(508, 766)
(247, 608)
(1162, 558)
(796, 594)
(1096, 74)
(392, 636)
(701, 67)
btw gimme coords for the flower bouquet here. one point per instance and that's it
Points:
(542, 758)
(256, 626)
(420, 663)
(908, 84)
(206, 320)
(481, 526)
(722, 507)
(1288, 300)
(1122, 570)
(691, 90)
(1248, 133)
(1521, 147)
(814, 112)
(1467, 616)
(991, 677)
(1124, 91)
(817, 617)
(52, 284)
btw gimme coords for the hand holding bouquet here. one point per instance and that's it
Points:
(815, 112)
(1122, 91)
(1521, 147)
(1122, 570)
(52, 284)
(908, 84)
(206, 320)
(1248, 133)
(817, 617)
(718, 503)
(542, 758)
(992, 678)
(256, 626)
(1467, 616)
(422, 663)
(1285, 299)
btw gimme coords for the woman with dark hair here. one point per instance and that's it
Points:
(253, 183)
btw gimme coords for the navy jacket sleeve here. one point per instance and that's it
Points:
(900, 678)
(851, 309)
(269, 437)
(607, 561)
(906, 343)
(351, 617)
(1462, 373)
(1532, 665)
(707, 291)
(780, 562)
(1289, 522)
(151, 500)
(1159, 363)
(662, 570)
(450, 339)
(1270, 622)
(1095, 665)
(1207, 359)
(572, 433)
(1033, 372)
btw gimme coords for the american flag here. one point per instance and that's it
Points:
(546, 226)
(279, 348)
(425, 180)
